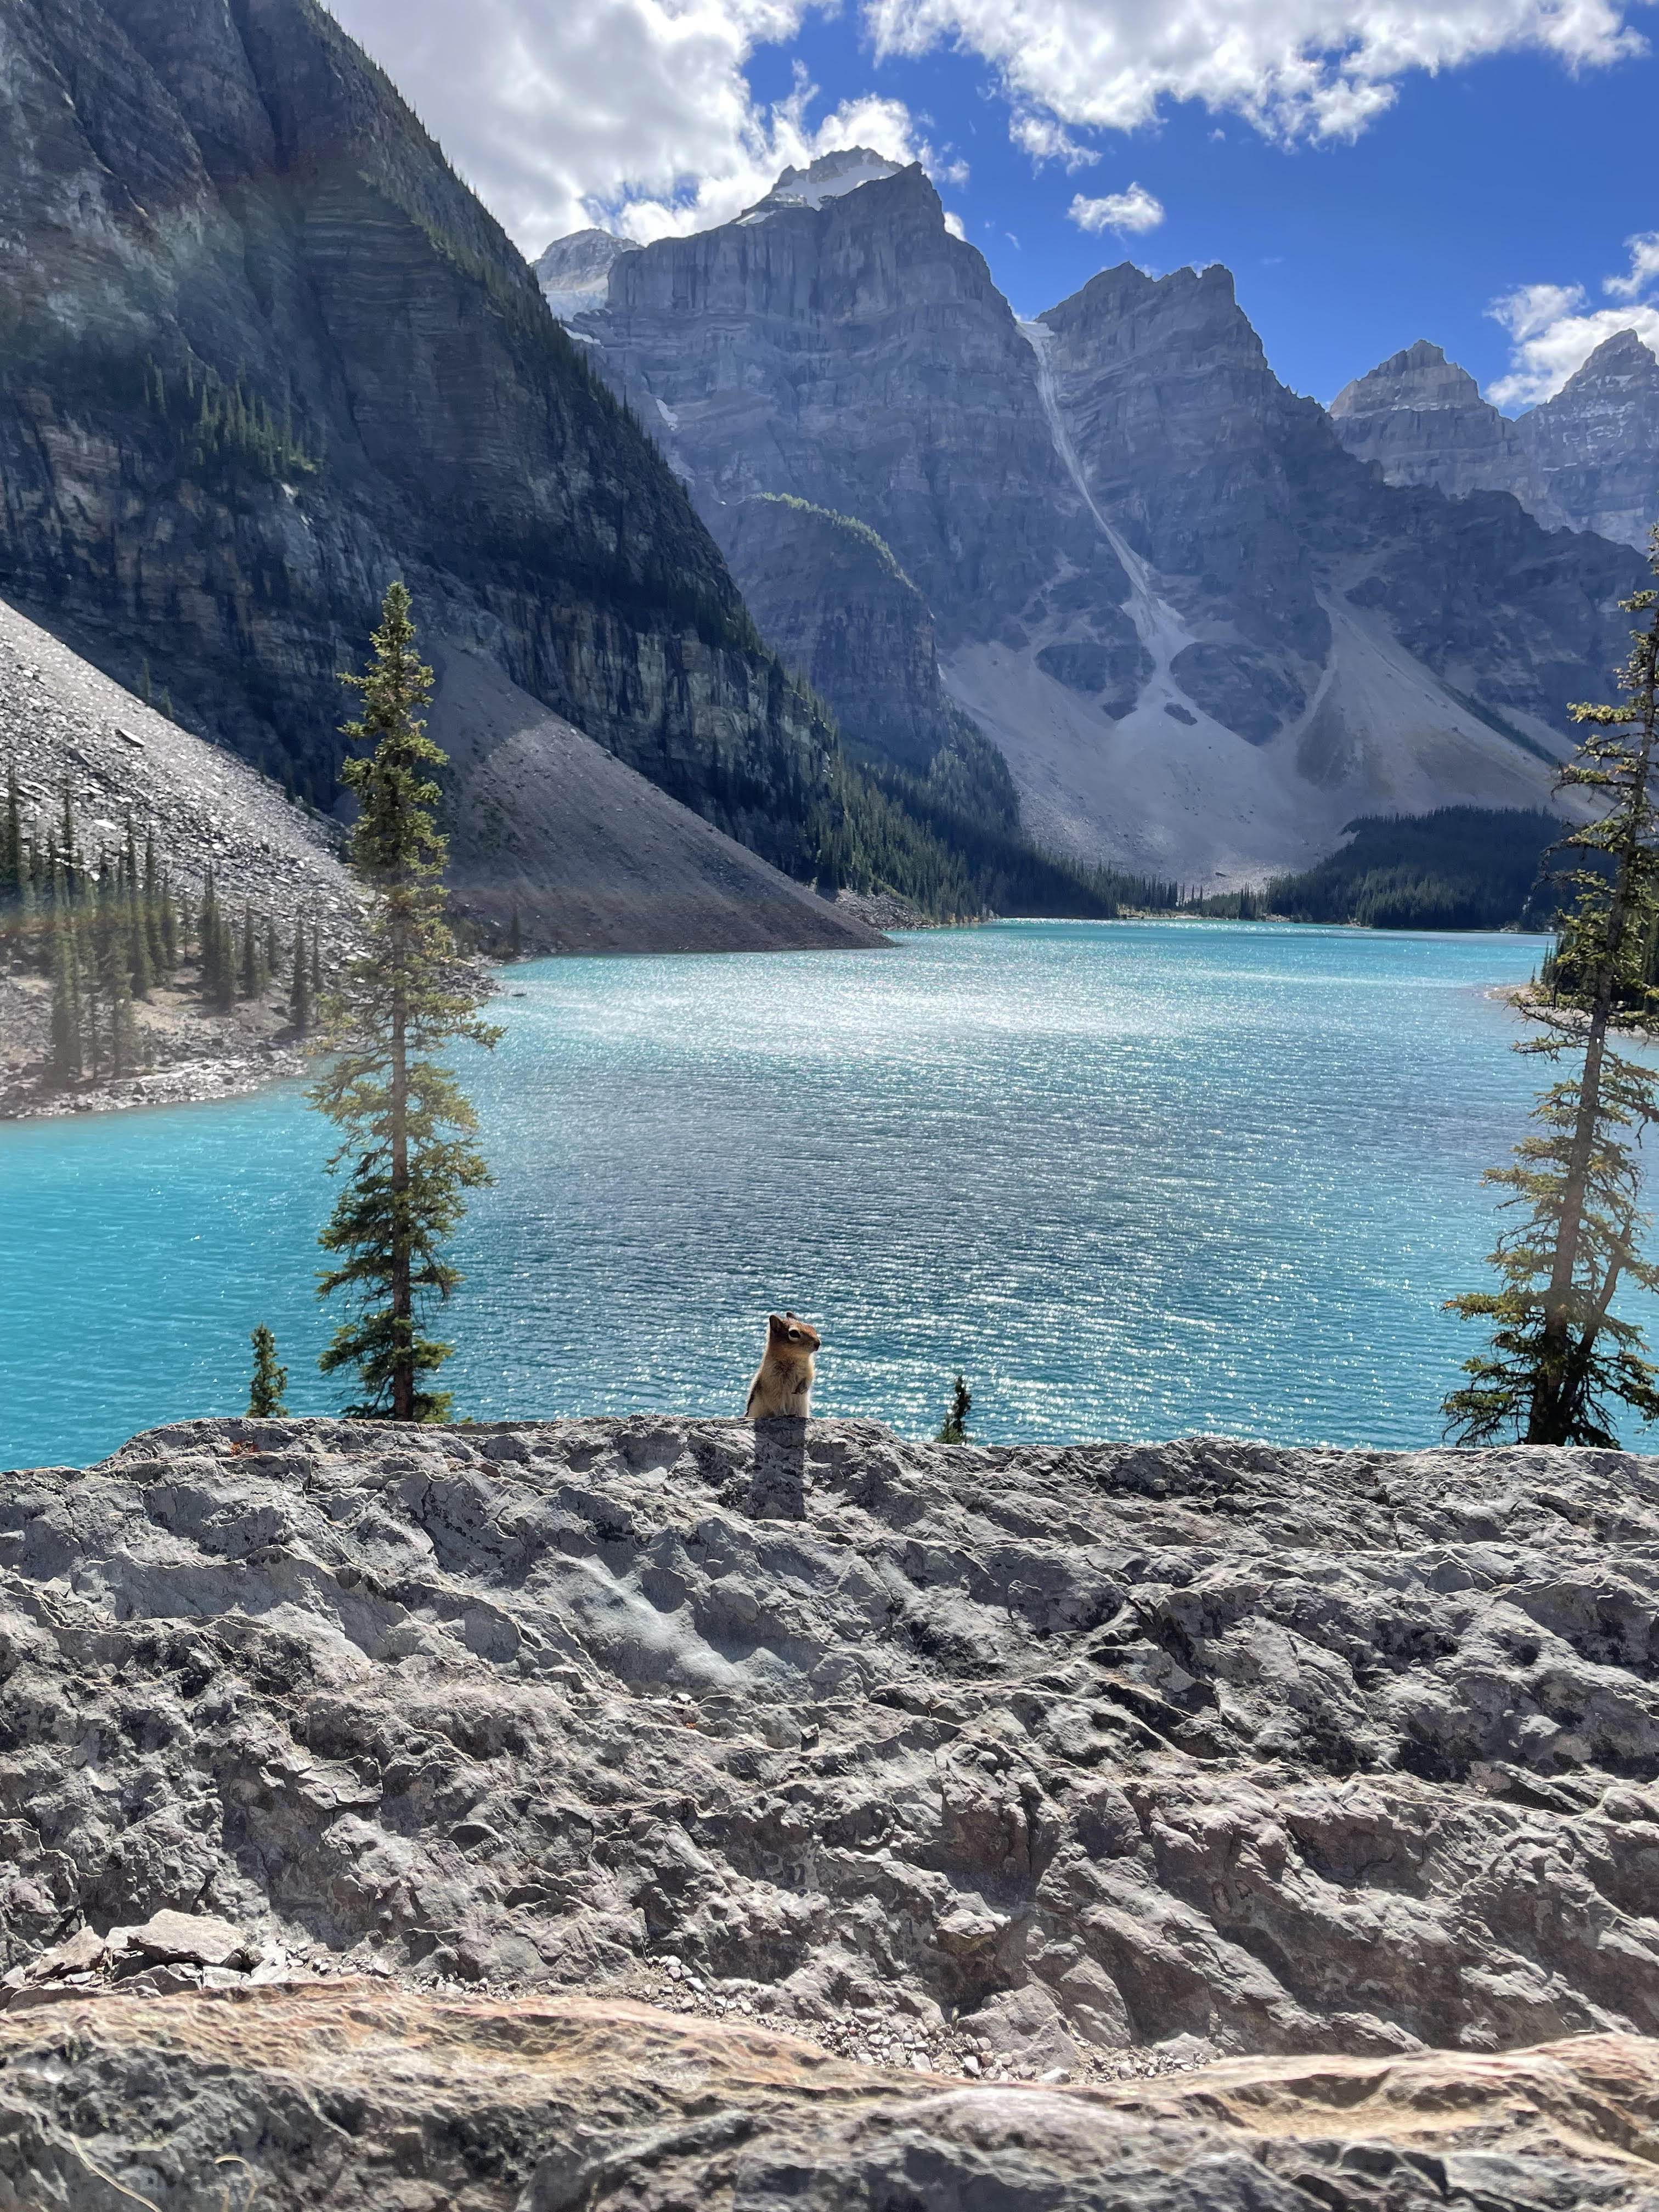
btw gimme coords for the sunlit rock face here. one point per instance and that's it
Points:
(1596, 446)
(1587, 460)
(263, 352)
(1203, 633)
(1076, 1751)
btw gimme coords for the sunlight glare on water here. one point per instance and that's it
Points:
(1133, 1179)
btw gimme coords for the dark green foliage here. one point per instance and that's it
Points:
(406, 1145)
(955, 848)
(1559, 1358)
(175, 926)
(299, 991)
(1228, 906)
(265, 1397)
(251, 979)
(114, 972)
(955, 1428)
(515, 938)
(1459, 867)
(216, 432)
(65, 1050)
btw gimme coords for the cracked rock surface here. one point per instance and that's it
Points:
(353, 2098)
(1079, 1763)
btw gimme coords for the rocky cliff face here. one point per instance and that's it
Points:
(1594, 448)
(1419, 419)
(852, 354)
(1204, 636)
(262, 351)
(828, 595)
(1584, 460)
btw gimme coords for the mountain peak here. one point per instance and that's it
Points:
(574, 272)
(1623, 357)
(1419, 378)
(831, 177)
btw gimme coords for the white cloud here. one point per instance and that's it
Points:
(953, 224)
(1133, 211)
(1045, 140)
(1294, 68)
(634, 115)
(1643, 269)
(639, 114)
(1554, 330)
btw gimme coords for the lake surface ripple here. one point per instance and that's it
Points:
(1133, 1179)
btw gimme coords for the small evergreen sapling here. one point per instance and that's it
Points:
(265, 1397)
(955, 1430)
(406, 1127)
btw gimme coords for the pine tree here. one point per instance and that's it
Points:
(12, 864)
(316, 966)
(169, 927)
(115, 970)
(66, 994)
(11, 839)
(515, 937)
(151, 900)
(954, 1429)
(406, 1126)
(265, 1397)
(271, 959)
(251, 983)
(1557, 1354)
(299, 996)
(141, 975)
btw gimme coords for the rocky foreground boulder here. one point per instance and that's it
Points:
(1012, 1785)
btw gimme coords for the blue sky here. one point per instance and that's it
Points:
(1370, 174)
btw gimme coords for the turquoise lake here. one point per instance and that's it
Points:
(1133, 1179)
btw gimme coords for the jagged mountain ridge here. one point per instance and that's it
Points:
(1344, 645)
(264, 351)
(1586, 460)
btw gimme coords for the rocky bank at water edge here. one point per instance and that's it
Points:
(656, 1812)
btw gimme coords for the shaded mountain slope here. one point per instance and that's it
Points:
(627, 869)
(262, 351)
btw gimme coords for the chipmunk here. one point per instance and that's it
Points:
(783, 1380)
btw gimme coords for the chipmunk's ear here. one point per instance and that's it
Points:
(776, 1321)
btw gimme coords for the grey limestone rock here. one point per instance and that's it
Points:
(1278, 1750)
(1584, 459)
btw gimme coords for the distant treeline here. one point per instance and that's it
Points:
(1459, 867)
(110, 928)
(951, 841)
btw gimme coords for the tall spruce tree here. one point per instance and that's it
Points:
(141, 969)
(251, 981)
(1559, 1356)
(299, 994)
(65, 1049)
(407, 1147)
